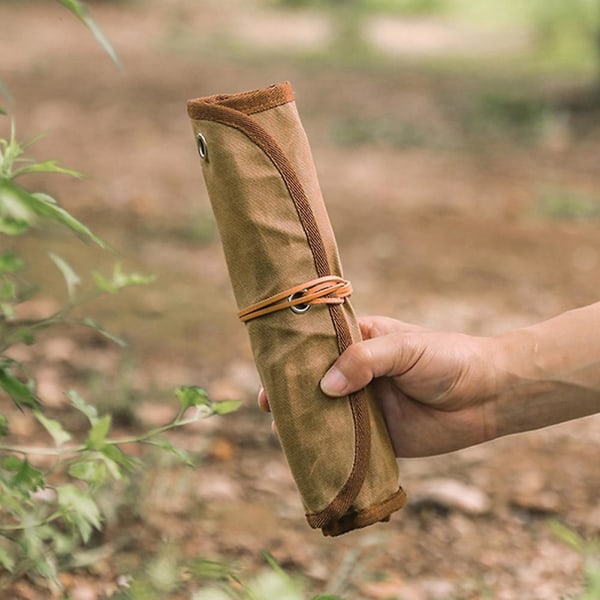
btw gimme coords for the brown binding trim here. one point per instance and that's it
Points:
(363, 518)
(248, 103)
(212, 110)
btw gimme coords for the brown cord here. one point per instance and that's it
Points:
(324, 290)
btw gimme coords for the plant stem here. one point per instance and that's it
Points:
(42, 451)
(134, 439)
(45, 521)
(178, 422)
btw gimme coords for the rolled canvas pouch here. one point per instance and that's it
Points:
(286, 275)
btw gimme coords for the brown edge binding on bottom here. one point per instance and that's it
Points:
(225, 109)
(373, 514)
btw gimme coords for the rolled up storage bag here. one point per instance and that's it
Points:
(287, 279)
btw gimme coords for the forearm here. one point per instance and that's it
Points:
(550, 372)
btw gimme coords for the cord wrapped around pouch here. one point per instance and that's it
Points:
(287, 279)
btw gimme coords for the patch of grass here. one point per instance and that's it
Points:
(490, 12)
(566, 204)
(355, 131)
(388, 6)
(499, 112)
(564, 33)
(589, 550)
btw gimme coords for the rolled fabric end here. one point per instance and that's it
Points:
(287, 279)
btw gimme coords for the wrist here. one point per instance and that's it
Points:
(548, 373)
(519, 375)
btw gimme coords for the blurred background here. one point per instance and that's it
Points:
(457, 147)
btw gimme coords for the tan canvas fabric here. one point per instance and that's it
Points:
(276, 235)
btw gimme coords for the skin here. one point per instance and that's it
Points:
(443, 391)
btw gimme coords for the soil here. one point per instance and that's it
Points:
(443, 216)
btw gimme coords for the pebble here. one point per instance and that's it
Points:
(451, 494)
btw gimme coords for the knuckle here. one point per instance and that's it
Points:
(358, 354)
(356, 363)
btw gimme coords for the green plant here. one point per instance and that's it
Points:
(359, 131)
(47, 494)
(566, 204)
(81, 12)
(568, 31)
(49, 491)
(272, 582)
(589, 550)
(393, 6)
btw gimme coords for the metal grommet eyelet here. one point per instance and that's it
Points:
(202, 146)
(298, 308)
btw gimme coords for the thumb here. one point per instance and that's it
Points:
(362, 361)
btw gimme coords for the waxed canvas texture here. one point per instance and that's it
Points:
(267, 250)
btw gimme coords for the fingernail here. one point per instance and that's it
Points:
(334, 382)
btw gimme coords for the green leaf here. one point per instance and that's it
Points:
(22, 205)
(26, 478)
(191, 395)
(15, 207)
(93, 472)
(567, 535)
(89, 322)
(48, 166)
(96, 468)
(128, 463)
(81, 12)
(71, 278)
(225, 407)
(45, 206)
(210, 569)
(97, 436)
(178, 452)
(54, 428)
(11, 262)
(140, 589)
(103, 284)
(4, 91)
(20, 392)
(25, 335)
(163, 571)
(7, 310)
(80, 404)
(7, 560)
(592, 577)
(120, 280)
(3, 426)
(8, 291)
(131, 279)
(79, 509)
(275, 565)
(11, 226)
(12, 462)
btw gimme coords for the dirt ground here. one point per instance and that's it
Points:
(440, 220)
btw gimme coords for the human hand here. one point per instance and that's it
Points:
(442, 391)
(433, 387)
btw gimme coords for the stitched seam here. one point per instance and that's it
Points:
(246, 102)
(373, 514)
